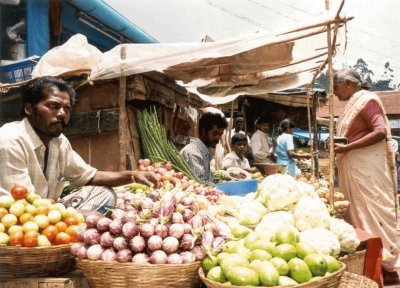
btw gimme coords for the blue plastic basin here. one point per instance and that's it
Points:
(239, 188)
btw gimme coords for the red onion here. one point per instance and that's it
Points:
(177, 218)
(103, 223)
(120, 243)
(129, 230)
(146, 230)
(81, 230)
(117, 213)
(91, 237)
(187, 215)
(140, 258)
(154, 221)
(107, 240)
(161, 230)
(170, 245)
(187, 228)
(217, 244)
(168, 166)
(116, 226)
(187, 201)
(158, 257)
(137, 244)
(154, 195)
(130, 216)
(198, 253)
(120, 201)
(147, 203)
(187, 257)
(124, 256)
(91, 220)
(156, 209)
(82, 253)
(94, 252)
(155, 243)
(187, 242)
(174, 259)
(108, 255)
(176, 230)
(75, 247)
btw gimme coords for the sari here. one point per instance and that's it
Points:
(367, 178)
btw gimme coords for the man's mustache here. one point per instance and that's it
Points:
(60, 121)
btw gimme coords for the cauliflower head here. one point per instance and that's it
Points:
(323, 240)
(346, 234)
(311, 213)
(274, 221)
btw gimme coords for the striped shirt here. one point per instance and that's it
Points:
(22, 155)
(199, 158)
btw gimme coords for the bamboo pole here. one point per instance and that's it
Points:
(309, 95)
(315, 132)
(122, 130)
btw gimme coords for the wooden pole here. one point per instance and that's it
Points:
(122, 130)
(309, 95)
(315, 132)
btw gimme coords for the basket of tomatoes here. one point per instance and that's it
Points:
(35, 235)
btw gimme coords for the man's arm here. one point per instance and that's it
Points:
(110, 178)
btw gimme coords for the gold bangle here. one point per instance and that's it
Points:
(133, 176)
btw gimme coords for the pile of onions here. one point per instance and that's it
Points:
(169, 233)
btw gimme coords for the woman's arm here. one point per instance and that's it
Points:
(367, 140)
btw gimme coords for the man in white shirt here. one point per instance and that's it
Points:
(261, 144)
(238, 128)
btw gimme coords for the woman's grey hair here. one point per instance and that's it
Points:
(351, 75)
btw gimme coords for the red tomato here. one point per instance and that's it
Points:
(50, 232)
(62, 238)
(30, 239)
(71, 220)
(3, 211)
(61, 226)
(73, 232)
(25, 218)
(16, 239)
(19, 192)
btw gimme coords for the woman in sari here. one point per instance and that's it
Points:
(366, 164)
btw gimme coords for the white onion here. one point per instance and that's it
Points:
(94, 252)
(155, 243)
(170, 245)
(82, 252)
(154, 221)
(81, 230)
(137, 244)
(174, 259)
(176, 230)
(187, 257)
(140, 258)
(75, 247)
(158, 257)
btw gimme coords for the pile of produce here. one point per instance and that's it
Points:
(29, 221)
(156, 145)
(160, 228)
(222, 176)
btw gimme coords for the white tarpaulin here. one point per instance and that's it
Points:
(218, 72)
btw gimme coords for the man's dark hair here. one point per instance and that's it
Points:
(238, 137)
(34, 92)
(209, 120)
(286, 124)
(261, 120)
(239, 119)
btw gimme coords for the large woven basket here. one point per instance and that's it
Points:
(19, 262)
(331, 281)
(355, 262)
(113, 274)
(351, 280)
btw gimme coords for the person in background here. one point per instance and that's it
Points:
(366, 166)
(197, 153)
(284, 150)
(34, 153)
(261, 144)
(236, 157)
(238, 127)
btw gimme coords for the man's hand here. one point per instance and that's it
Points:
(147, 178)
(341, 148)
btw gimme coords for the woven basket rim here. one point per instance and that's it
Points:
(130, 264)
(52, 247)
(309, 283)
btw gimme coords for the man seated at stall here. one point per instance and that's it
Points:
(197, 153)
(261, 144)
(34, 153)
(236, 157)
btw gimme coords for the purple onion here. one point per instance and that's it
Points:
(187, 228)
(124, 256)
(187, 215)
(75, 247)
(81, 230)
(137, 244)
(82, 252)
(130, 229)
(103, 223)
(91, 237)
(158, 257)
(154, 243)
(146, 230)
(140, 258)
(187, 201)
(156, 209)
(198, 253)
(147, 203)
(177, 218)
(91, 220)
(170, 245)
(154, 221)
(217, 244)
(107, 240)
(130, 216)
(154, 195)
(187, 242)
(161, 230)
(117, 213)
(176, 230)
(108, 255)
(174, 259)
(187, 257)
(94, 252)
(120, 243)
(116, 226)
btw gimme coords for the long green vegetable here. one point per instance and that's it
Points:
(156, 145)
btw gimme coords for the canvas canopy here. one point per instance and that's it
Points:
(218, 72)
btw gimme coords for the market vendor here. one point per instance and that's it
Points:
(236, 158)
(34, 152)
(197, 153)
(261, 144)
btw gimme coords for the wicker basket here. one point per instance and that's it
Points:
(350, 280)
(355, 262)
(330, 281)
(19, 262)
(114, 274)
